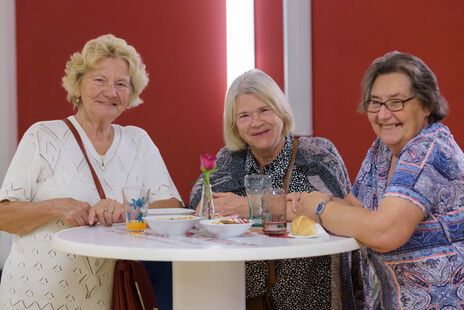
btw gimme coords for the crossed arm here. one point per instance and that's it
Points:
(20, 217)
(385, 229)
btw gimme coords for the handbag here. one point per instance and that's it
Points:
(132, 288)
(263, 302)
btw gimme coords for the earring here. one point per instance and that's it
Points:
(78, 99)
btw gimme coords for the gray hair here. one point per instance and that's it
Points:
(423, 82)
(257, 83)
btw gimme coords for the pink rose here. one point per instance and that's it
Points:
(207, 162)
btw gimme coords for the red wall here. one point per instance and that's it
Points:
(346, 37)
(183, 45)
(269, 39)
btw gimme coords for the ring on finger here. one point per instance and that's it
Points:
(106, 210)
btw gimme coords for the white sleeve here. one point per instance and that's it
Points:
(156, 174)
(21, 179)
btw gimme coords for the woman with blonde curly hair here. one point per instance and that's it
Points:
(49, 186)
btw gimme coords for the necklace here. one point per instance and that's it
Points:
(101, 160)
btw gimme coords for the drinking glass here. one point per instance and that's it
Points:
(136, 207)
(274, 216)
(254, 186)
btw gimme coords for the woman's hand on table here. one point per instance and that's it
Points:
(107, 212)
(71, 211)
(229, 203)
(293, 197)
(305, 203)
(166, 203)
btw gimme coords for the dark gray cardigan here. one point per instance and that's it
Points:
(317, 157)
(326, 172)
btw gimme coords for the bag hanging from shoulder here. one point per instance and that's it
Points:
(263, 302)
(132, 289)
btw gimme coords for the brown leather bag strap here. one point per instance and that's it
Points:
(73, 129)
(270, 283)
(272, 274)
(288, 174)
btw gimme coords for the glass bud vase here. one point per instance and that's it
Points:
(206, 203)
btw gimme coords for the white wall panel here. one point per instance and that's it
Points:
(297, 62)
(8, 100)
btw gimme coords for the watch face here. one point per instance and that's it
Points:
(319, 207)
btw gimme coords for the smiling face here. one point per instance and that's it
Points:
(395, 129)
(259, 126)
(105, 91)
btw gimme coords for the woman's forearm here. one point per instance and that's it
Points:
(20, 217)
(166, 203)
(383, 230)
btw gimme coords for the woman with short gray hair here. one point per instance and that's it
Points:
(406, 205)
(423, 82)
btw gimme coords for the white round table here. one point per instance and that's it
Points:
(208, 272)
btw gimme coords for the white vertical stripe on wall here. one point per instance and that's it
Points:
(297, 62)
(240, 38)
(8, 100)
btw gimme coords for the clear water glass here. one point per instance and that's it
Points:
(136, 207)
(254, 186)
(274, 216)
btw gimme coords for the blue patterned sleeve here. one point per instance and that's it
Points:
(428, 171)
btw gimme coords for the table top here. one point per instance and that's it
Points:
(115, 242)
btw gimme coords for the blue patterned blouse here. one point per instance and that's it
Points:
(427, 272)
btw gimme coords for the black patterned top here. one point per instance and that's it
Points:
(304, 283)
(317, 160)
(277, 169)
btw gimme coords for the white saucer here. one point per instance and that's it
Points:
(320, 233)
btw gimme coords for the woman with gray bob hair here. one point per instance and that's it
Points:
(258, 126)
(257, 83)
(423, 82)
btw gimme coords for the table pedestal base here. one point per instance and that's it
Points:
(209, 285)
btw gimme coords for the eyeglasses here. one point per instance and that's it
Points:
(393, 105)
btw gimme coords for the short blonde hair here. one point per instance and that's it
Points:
(257, 83)
(105, 46)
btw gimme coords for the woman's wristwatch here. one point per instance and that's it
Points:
(319, 209)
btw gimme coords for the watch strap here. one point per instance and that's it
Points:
(319, 209)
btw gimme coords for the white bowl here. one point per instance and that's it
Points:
(172, 225)
(225, 230)
(170, 211)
